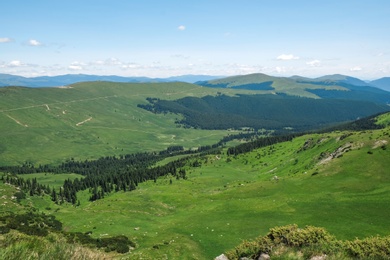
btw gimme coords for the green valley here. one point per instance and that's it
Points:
(103, 170)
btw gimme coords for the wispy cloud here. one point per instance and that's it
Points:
(33, 42)
(314, 63)
(181, 28)
(107, 62)
(76, 65)
(180, 56)
(356, 68)
(16, 63)
(4, 40)
(287, 57)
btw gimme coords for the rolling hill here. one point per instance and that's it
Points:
(332, 86)
(199, 204)
(89, 120)
(92, 119)
(64, 80)
(383, 83)
(335, 180)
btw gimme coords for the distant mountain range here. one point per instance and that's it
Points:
(295, 85)
(63, 80)
(383, 83)
(331, 86)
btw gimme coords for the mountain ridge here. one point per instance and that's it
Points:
(229, 81)
(67, 79)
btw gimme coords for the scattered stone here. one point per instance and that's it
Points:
(379, 143)
(264, 256)
(221, 257)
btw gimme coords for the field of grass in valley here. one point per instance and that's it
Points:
(337, 180)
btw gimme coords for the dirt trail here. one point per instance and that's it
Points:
(55, 103)
(17, 121)
(82, 122)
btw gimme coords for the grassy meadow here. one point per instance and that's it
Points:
(337, 180)
(93, 119)
(229, 199)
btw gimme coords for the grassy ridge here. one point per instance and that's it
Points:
(228, 199)
(90, 120)
(280, 84)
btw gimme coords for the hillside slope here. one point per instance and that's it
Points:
(92, 119)
(331, 86)
(383, 83)
(64, 80)
(336, 180)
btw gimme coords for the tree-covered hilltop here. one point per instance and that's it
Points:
(263, 111)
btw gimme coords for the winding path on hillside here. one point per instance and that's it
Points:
(46, 105)
(82, 122)
(17, 121)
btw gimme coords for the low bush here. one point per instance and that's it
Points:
(308, 242)
(369, 248)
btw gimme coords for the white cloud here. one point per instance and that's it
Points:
(314, 63)
(15, 63)
(4, 40)
(280, 69)
(131, 66)
(107, 62)
(181, 27)
(356, 68)
(287, 57)
(180, 56)
(75, 67)
(34, 43)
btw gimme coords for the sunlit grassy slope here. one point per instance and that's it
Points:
(89, 120)
(288, 86)
(339, 181)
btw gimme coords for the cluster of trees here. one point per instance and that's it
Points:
(267, 85)
(263, 111)
(110, 173)
(30, 186)
(124, 173)
(101, 177)
(260, 142)
(366, 123)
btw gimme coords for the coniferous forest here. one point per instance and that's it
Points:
(275, 112)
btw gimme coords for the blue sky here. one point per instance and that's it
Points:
(211, 37)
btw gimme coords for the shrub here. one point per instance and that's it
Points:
(372, 247)
(4, 229)
(310, 240)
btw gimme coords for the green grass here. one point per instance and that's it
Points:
(44, 125)
(51, 179)
(280, 84)
(231, 199)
